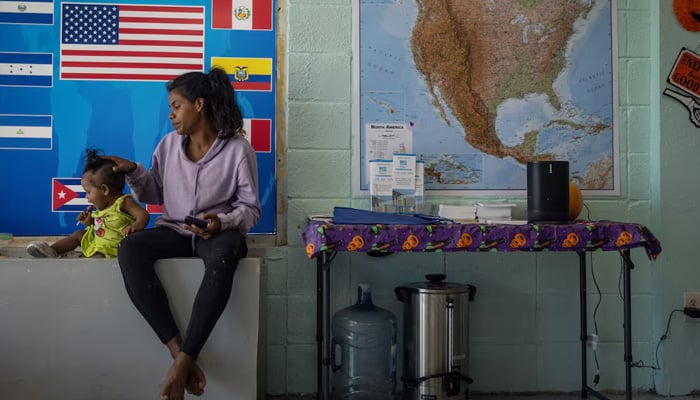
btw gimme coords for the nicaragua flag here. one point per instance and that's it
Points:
(26, 132)
(26, 69)
(26, 12)
(248, 74)
(67, 195)
(259, 133)
(250, 15)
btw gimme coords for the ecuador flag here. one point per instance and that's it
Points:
(253, 74)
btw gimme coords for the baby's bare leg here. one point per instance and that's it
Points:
(68, 243)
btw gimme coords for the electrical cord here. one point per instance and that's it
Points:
(596, 378)
(619, 279)
(640, 364)
(636, 364)
(588, 212)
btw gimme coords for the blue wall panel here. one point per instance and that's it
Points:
(119, 116)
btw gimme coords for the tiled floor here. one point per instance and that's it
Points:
(537, 396)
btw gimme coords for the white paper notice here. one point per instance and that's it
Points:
(383, 140)
(380, 177)
(404, 171)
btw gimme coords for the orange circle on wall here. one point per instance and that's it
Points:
(688, 14)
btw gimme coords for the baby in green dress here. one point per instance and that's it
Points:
(117, 215)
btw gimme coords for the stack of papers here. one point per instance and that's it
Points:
(494, 213)
(461, 214)
(503, 221)
(321, 217)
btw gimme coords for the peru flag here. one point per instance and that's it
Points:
(249, 15)
(259, 134)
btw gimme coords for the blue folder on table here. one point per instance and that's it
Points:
(348, 215)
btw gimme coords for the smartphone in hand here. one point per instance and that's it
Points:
(199, 223)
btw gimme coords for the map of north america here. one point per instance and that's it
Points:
(488, 85)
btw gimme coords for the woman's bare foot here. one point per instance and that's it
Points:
(195, 377)
(173, 387)
(196, 381)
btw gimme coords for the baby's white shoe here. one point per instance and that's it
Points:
(41, 250)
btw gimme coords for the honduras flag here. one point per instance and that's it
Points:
(26, 69)
(26, 12)
(68, 195)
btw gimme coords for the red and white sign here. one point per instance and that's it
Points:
(685, 74)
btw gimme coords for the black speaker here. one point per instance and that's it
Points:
(548, 192)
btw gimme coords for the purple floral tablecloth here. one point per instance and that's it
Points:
(578, 236)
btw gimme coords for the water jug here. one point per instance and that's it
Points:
(436, 338)
(366, 365)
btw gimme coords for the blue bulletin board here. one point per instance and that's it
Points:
(77, 75)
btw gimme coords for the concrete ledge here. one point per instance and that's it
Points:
(69, 331)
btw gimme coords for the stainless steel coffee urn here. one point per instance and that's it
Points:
(435, 338)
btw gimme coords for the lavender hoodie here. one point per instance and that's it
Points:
(224, 181)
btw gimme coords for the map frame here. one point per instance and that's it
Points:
(358, 131)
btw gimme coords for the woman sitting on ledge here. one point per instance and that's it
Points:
(206, 169)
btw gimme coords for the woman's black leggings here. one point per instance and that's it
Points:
(138, 253)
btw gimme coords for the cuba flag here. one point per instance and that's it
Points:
(68, 195)
(26, 69)
(251, 74)
(37, 12)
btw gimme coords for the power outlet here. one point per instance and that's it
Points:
(691, 299)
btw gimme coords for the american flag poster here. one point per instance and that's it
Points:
(252, 15)
(130, 42)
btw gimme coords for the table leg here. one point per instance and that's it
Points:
(584, 323)
(627, 268)
(319, 325)
(628, 265)
(323, 334)
(585, 388)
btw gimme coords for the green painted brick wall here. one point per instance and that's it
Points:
(524, 322)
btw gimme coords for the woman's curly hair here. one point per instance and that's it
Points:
(220, 106)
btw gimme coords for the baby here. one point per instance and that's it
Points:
(117, 215)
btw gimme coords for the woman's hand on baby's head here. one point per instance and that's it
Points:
(122, 165)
